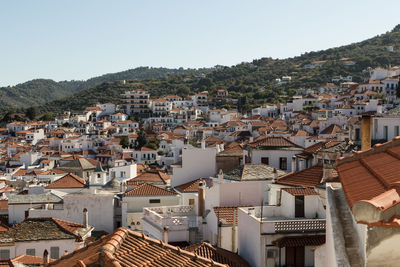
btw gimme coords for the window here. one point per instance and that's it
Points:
(54, 252)
(396, 131)
(4, 254)
(30, 251)
(152, 201)
(283, 163)
(191, 201)
(299, 206)
(265, 160)
(385, 132)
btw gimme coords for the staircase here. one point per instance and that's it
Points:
(348, 225)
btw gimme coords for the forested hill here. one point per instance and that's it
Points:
(253, 83)
(39, 91)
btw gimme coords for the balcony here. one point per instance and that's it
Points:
(272, 221)
(175, 218)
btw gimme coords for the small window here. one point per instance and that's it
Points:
(385, 132)
(30, 251)
(283, 163)
(265, 160)
(4, 254)
(396, 131)
(152, 201)
(54, 252)
(191, 201)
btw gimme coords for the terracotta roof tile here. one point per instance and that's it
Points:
(300, 191)
(300, 241)
(309, 177)
(226, 213)
(373, 175)
(269, 141)
(220, 255)
(149, 177)
(68, 181)
(191, 187)
(146, 189)
(128, 248)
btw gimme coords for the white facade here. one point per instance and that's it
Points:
(196, 163)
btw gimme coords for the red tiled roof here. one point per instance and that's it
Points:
(128, 248)
(149, 176)
(269, 141)
(220, 255)
(146, 189)
(300, 191)
(331, 129)
(226, 213)
(309, 177)
(29, 260)
(4, 204)
(191, 187)
(68, 181)
(372, 176)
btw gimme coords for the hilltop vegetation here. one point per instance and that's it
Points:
(39, 91)
(252, 83)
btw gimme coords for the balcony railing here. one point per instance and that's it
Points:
(300, 225)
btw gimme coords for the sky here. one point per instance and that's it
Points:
(80, 39)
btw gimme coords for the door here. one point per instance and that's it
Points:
(294, 257)
(299, 206)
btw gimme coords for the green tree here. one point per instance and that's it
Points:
(124, 142)
(31, 113)
(141, 140)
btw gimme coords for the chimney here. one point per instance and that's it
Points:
(293, 163)
(366, 132)
(203, 144)
(251, 139)
(201, 196)
(46, 257)
(275, 173)
(85, 218)
(234, 231)
(219, 239)
(165, 234)
(220, 176)
(327, 172)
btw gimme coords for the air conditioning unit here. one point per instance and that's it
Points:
(272, 253)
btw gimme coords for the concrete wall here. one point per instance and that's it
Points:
(196, 163)
(100, 210)
(274, 156)
(64, 245)
(249, 243)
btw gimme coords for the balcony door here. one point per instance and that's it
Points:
(299, 206)
(294, 257)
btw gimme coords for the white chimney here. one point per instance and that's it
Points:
(203, 144)
(85, 218)
(293, 163)
(165, 234)
(220, 176)
(46, 257)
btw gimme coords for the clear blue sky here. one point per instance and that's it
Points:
(68, 39)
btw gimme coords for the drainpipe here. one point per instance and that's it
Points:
(201, 196)
(234, 232)
(219, 240)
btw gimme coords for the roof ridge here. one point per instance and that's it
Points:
(381, 180)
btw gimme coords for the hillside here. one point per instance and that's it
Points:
(245, 80)
(39, 91)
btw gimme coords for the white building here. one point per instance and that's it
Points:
(196, 163)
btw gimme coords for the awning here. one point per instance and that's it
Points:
(300, 241)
